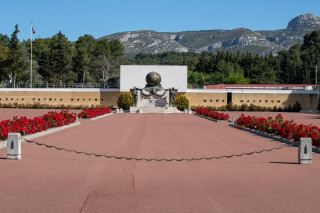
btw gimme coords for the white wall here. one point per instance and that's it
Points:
(135, 76)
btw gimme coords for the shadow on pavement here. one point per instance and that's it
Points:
(285, 162)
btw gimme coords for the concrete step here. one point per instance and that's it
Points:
(154, 110)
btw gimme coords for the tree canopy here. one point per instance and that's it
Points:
(90, 60)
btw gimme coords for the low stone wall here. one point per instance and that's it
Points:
(267, 98)
(108, 97)
(51, 96)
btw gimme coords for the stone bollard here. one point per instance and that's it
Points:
(14, 146)
(77, 119)
(233, 121)
(121, 110)
(305, 151)
(117, 110)
(185, 111)
(190, 111)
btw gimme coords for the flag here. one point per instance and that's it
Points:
(33, 31)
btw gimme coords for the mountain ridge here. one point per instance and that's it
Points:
(240, 39)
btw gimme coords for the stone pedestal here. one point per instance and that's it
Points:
(305, 151)
(153, 100)
(14, 146)
(164, 110)
(156, 103)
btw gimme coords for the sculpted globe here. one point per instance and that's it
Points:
(153, 79)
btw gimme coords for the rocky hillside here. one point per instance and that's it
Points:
(241, 39)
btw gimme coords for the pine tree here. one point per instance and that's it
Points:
(61, 57)
(84, 49)
(15, 62)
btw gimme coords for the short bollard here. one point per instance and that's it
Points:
(121, 110)
(185, 111)
(305, 151)
(14, 146)
(77, 119)
(117, 110)
(233, 120)
(140, 111)
(190, 111)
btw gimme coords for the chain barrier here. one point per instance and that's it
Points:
(159, 159)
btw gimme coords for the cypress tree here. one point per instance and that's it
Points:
(15, 62)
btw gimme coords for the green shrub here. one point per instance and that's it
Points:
(274, 109)
(182, 102)
(235, 107)
(222, 108)
(229, 106)
(244, 107)
(125, 100)
(296, 107)
(288, 109)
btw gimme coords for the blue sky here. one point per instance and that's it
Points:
(75, 18)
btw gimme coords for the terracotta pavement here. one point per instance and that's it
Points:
(48, 180)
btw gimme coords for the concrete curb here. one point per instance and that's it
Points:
(3, 144)
(96, 118)
(273, 137)
(211, 119)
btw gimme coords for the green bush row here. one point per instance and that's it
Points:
(244, 107)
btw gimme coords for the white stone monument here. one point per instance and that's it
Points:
(305, 151)
(153, 98)
(14, 146)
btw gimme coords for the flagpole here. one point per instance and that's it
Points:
(31, 60)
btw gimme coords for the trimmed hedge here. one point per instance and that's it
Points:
(182, 102)
(125, 100)
(244, 107)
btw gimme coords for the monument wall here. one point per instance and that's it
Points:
(268, 98)
(108, 97)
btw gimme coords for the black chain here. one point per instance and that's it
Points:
(160, 159)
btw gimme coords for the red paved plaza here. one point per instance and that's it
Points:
(48, 180)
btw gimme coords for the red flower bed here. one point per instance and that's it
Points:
(27, 126)
(284, 128)
(92, 113)
(212, 114)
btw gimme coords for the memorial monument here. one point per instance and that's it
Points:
(153, 98)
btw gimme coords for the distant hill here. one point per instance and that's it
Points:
(241, 39)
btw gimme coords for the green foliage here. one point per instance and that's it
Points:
(182, 102)
(195, 79)
(296, 107)
(15, 63)
(108, 58)
(60, 57)
(3, 51)
(87, 60)
(125, 100)
(42, 52)
(236, 78)
(84, 56)
(293, 66)
(252, 107)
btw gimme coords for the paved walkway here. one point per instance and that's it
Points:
(47, 180)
